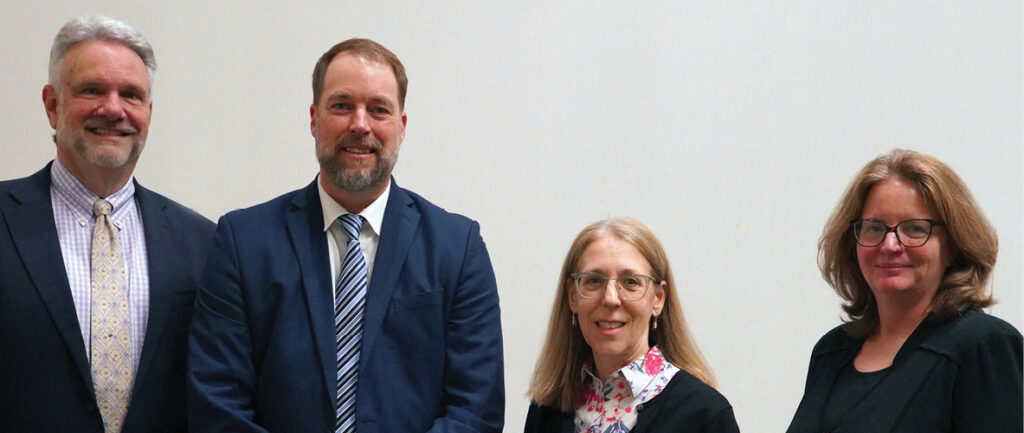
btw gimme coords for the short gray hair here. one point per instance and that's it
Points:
(98, 28)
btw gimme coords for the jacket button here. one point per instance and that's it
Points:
(640, 407)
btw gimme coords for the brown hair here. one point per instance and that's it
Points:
(973, 241)
(556, 377)
(368, 50)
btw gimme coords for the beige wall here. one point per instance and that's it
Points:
(731, 130)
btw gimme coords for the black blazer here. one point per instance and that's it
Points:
(958, 375)
(685, 405)
(45, 379)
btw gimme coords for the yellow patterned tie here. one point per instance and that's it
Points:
(110, 354)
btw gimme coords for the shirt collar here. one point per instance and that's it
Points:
(374, 213)
(638, 373)
(80, 199)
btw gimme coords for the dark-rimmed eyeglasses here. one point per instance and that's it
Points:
(591, 285)
(911, 233)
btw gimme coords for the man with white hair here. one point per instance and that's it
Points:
(97, 273)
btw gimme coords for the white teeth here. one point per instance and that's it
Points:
(349, 149)
(109, 132)
(610, 325)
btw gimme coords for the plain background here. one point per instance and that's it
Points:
(730, 128)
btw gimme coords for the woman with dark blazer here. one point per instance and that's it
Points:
(910, 253)
(618, 356)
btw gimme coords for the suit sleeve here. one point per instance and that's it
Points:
(987, 395)
(221, 375)
(474, 386)
(802, 417)
(808, 410)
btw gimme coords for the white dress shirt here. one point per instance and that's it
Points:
(337, 238)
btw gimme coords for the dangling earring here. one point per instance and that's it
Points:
(573, 316)
(655, 320)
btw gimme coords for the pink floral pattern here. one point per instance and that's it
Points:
(609, 405)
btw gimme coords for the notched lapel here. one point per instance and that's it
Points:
(30, 221)
(166, 265)
(305, 228)
(911, 369)
(401, 220)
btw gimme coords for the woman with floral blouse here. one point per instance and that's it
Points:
(618, 356)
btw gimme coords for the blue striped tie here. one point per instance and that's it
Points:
(349, 302)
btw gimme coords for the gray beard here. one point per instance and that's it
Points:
(107, 161)
(354, 181)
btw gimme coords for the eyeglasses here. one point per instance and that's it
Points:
(911, 233)
(591, 285)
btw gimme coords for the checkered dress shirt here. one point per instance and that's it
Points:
(72, 212)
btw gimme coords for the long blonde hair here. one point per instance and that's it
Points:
(556, 378)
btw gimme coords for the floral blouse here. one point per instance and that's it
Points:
(610, 406)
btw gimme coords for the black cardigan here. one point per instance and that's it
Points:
(957, 375)
(685, 405)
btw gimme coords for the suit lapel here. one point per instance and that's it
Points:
(30, 221)
(165, 265)
(911, 369)
(400, 222)
(305, 228)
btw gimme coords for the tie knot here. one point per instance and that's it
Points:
(352, 225)
(101, 207)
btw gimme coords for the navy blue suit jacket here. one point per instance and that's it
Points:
(262, 345)
(45, 379)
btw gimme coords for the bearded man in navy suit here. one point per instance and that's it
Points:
(62, 332)
(351, 304)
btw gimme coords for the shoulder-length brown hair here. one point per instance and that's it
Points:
(972, 239)
(557, 379)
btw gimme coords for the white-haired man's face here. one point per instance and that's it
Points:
(100, 109)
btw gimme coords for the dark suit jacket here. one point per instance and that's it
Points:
(262, 345)
(957, 375)
(45, 380)
(686, 405)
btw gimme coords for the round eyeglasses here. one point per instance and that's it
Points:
(591, 285)
(911, 233)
